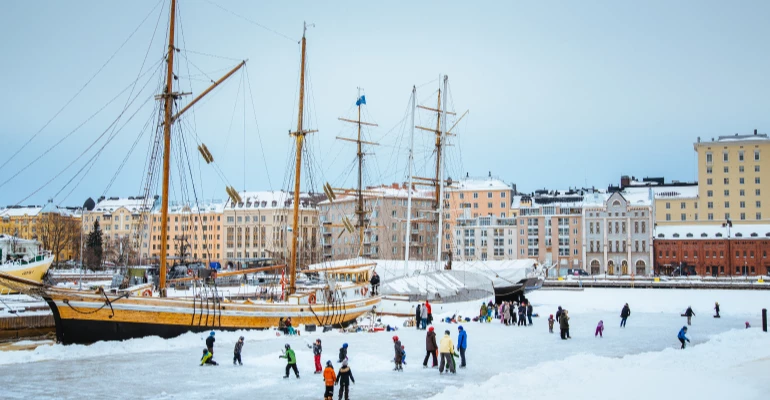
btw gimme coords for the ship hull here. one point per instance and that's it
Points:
(33, 272)
(83, 319)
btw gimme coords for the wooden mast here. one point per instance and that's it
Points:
(299, 135)
(169, 101)
(360, 207)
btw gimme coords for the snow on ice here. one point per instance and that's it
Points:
(641, 361)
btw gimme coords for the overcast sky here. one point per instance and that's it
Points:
(560, 95)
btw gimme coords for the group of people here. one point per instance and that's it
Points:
(508, 312)
(208, 352)
(423, 315)
(445, 350)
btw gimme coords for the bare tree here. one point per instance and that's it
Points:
(56, 233)
(120, 251)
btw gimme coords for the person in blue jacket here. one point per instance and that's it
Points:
(462, 344)
(683, 336)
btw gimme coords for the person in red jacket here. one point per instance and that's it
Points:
(430, 313)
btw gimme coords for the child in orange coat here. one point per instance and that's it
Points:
(329, 380)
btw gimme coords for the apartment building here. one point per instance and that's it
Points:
(194, 233)
(479, 219)
(732, 171)
(385, 229)
(123, 217)
(618, 232)
(261, 227)
(56, 228)
(549, 228)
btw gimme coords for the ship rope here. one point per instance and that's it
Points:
(107, 302)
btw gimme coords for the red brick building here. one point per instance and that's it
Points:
(712, 250)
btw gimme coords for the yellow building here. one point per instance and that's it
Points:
(733, 174)
(194, 233)
(121, 218)
(56, 228)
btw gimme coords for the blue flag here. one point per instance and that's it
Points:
(361, 100)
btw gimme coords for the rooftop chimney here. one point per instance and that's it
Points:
(755, 131)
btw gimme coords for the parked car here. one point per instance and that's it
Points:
(577, 272)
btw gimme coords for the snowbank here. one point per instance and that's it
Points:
(730, 365)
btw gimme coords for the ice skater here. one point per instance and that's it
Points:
(430, 348)
(599, 329)
(330, 379)
(424, 316)
(624, 314)
(291, 361)
(483, 312)
(689, 313)
(398, 355)
(317, 350)
(550, 324)
(682, 336)
(207, 358)
(447, 348)
(716, 308)
(210, 343)
(417, 316)
(343, 352)
(237, 351)
(529, 313)
(344, 377)
(462, 344)
(564, 325)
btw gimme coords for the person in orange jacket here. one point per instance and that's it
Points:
(329, 380)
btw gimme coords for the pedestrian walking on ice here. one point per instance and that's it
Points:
(529, 313)
(599, 329)
(716, 308)
(550, 324)
(624, 314)
(430, 348)
(564, 325)
(682, 336)
(483, 312)
(237, 351)
(330, 379)
(558, 314)
(418, 316)
(424, 316)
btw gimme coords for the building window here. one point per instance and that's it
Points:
(759, 204)
(756, 192)
(727, 215)
(743, 216)
(727, 192)
(756, 155)
(756, 180)
(644, 227)
(759, 216)
(684, 217)
(756, 168)
(708, 170)
(709, 158)
(727, 204)
(710, 204)
(462, 195)
(727, 170)
(741, 181)
(727, 181)
(725, 157)
(709, 181)
(668, 205)
(742, 204)
(683, 205)
(489, 195)
(710, 217)
(668, 217)
(475, 195)
(742, 192)
(709, 193)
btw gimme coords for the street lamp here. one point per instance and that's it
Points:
(728, 224)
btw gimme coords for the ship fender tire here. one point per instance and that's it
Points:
(147, 293)
(364, 290)
(311, 298)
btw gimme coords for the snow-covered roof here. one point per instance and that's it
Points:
(268, 200)
(470, 184)
(689, 232)
(757, 137)
(206, 206)
(132, 204)
(32, 211)
(675, 192)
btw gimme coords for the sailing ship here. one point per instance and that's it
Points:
(23, 259)
(86, 316)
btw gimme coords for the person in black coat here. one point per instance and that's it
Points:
(375, 282)
(529, 313)
(210, 343)
(344, 377)
(624, 314)
(558, 314)
(417, 316)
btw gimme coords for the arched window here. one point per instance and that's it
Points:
(660, 235)
(718, 235)
(676, 235)
(738, 234)
(704, 234)
(689, 235)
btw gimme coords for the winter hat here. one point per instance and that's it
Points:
(212, 333)
(403, 347)
(241, 338)
(446, 332)
(318, 340)
(287, 346)
(205, 350)
(430, 329)
(684, 327)
(551, 316)
(344, 345)
(344, 362)
(395, 338)
(459, 328)
(328, 363)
